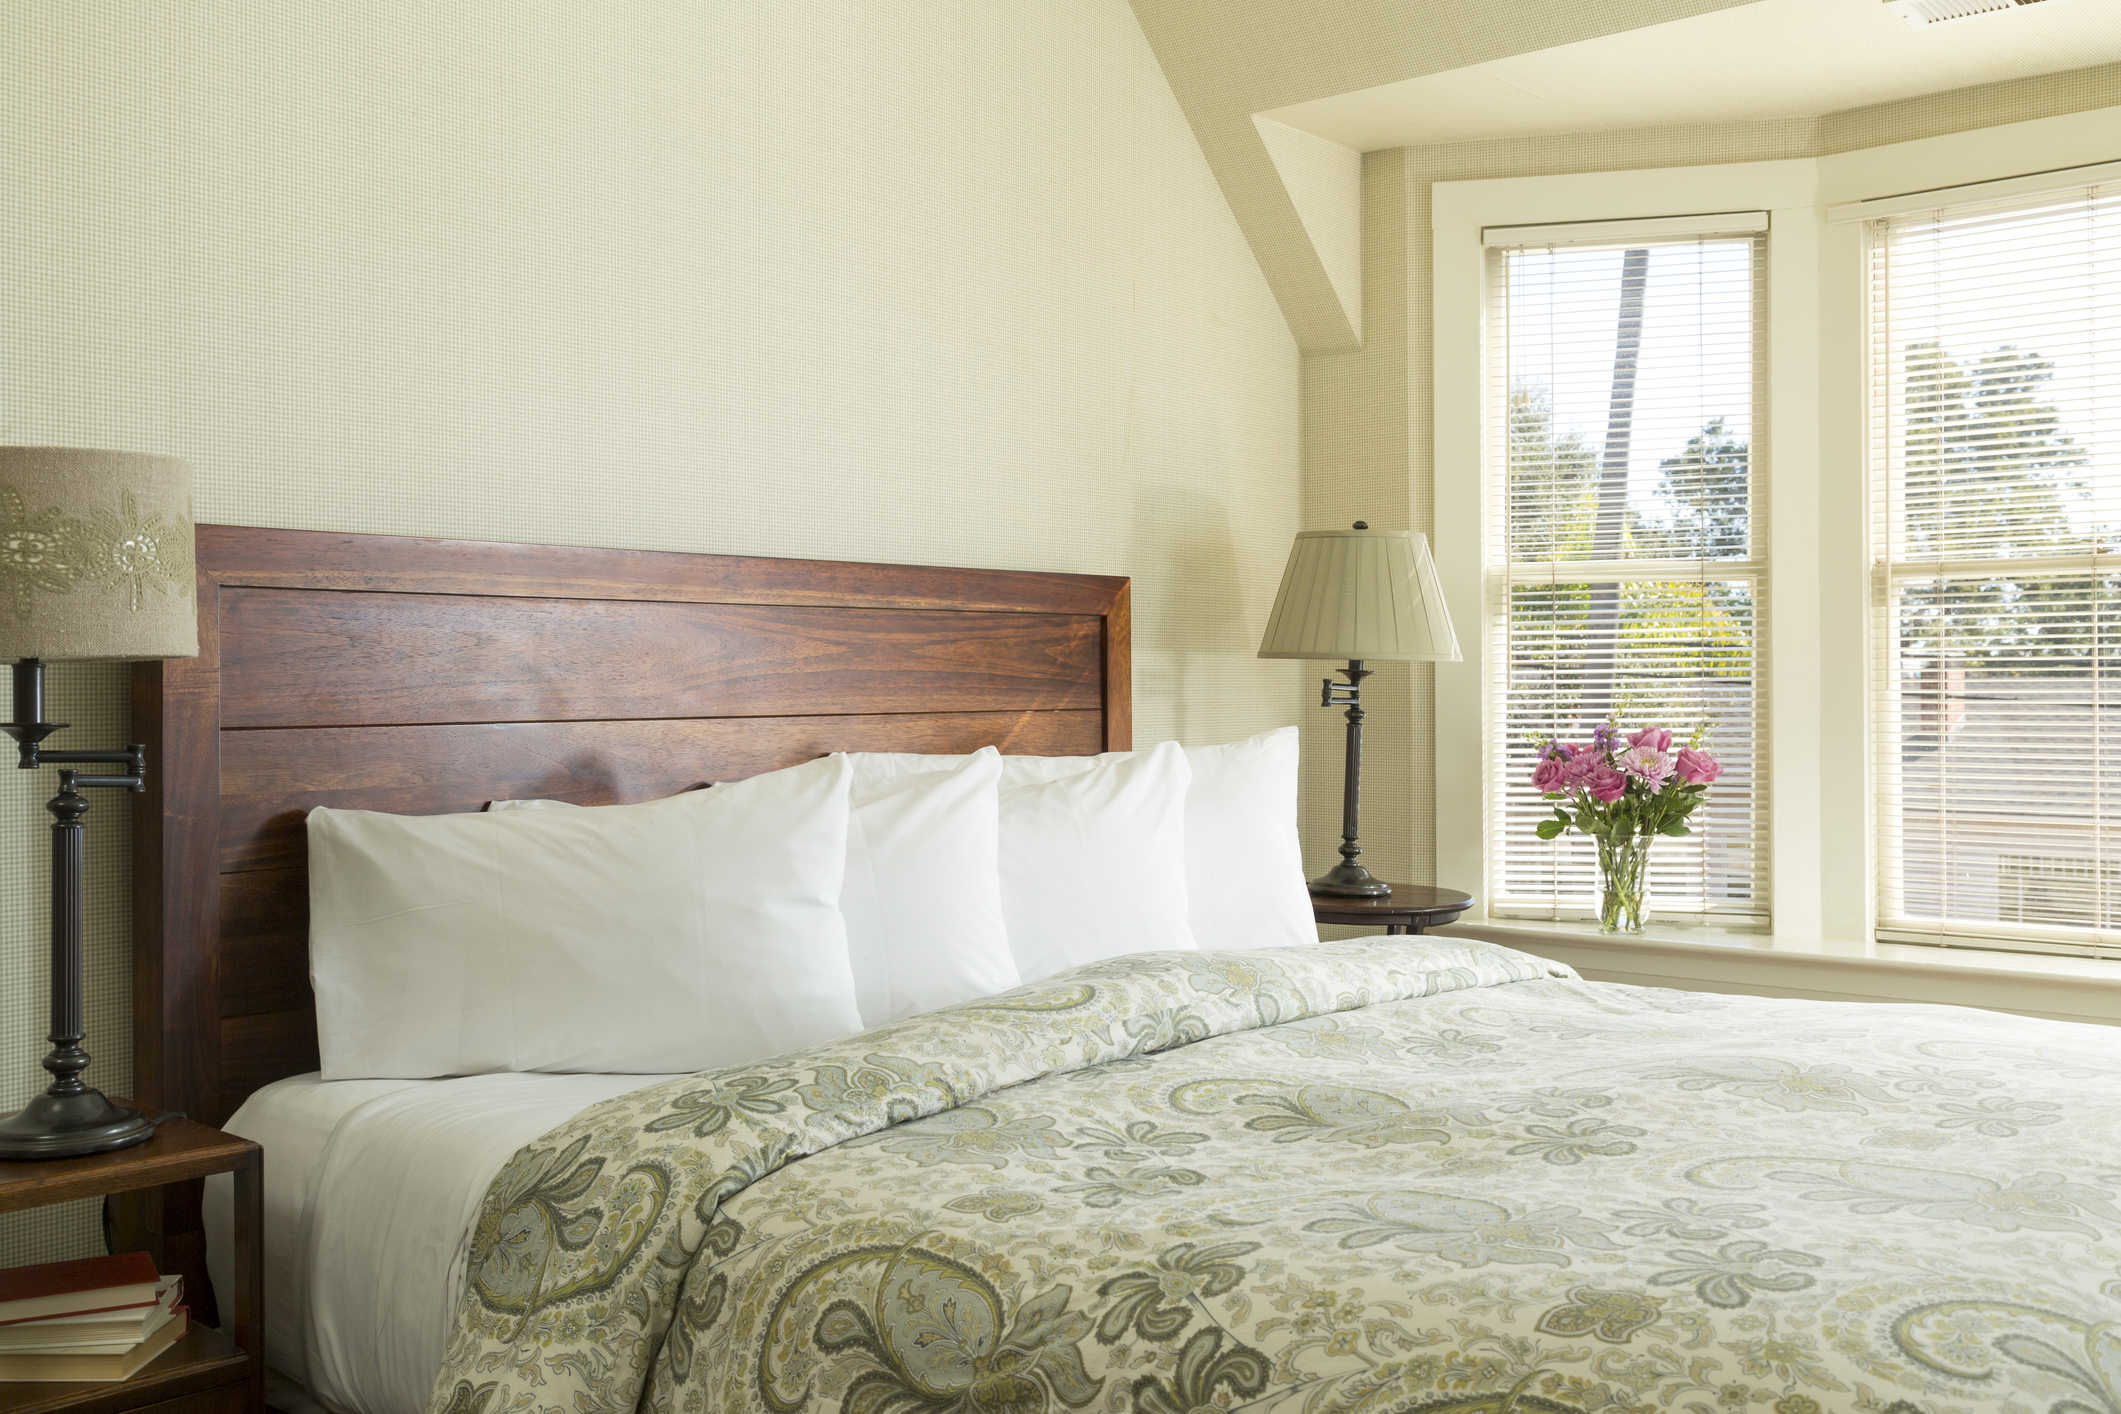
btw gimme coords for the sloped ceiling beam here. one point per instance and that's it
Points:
(1323, 181)
(1230, 59)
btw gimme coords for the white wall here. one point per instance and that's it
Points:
(945, 283)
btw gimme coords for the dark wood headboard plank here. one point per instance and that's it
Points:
(176, 712)
(309, 559)
(396, 659)
(1119, 670)
(265, 942)
(270, 778)
(176, 933)
(260, 1049)
(421, 676)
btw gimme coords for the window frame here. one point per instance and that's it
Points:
(1885, 571)
(1819, 616)
(1502, 574)
(1467, 712)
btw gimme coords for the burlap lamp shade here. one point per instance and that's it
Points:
(96, 554)
(98, 558)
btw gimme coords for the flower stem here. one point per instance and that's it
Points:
(1623, 876)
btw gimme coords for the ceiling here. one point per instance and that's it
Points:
(1364, 75)
(1770, 59)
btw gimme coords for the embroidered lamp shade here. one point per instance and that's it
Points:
(97, 554)
(1360, 594)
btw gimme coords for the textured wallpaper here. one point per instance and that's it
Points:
(947, 283)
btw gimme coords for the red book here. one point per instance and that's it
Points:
(114, 1283)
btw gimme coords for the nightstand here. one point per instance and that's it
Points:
(206, 1372)
(1409, 908)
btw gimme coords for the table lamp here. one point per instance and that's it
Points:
(96, 552)
(1358, 594)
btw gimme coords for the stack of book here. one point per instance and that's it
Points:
(99, 1318)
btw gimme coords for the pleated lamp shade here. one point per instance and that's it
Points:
(96, 555)
(1360, 594)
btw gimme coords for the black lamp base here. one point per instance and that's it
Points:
(1350, 881)
(68, 1126)
(69, 1119)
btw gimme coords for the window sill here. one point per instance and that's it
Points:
(1759, 964)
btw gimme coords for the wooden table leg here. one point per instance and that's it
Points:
(248, 1325)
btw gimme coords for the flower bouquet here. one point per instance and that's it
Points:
(1624, 793)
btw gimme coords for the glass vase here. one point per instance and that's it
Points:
(1624, 883)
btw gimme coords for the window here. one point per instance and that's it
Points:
(1995, 431)
(1626, 565)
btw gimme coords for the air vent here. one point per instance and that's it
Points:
(1924, 13)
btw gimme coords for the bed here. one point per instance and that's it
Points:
(1351, 1176)
(429, 676)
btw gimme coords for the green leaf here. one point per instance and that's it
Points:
(1675, 830)
(1548, 829)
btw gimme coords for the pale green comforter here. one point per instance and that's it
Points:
(1371, 1175)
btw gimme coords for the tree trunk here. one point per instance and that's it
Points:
(1602, 622)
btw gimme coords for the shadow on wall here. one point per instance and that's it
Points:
(1203, 614)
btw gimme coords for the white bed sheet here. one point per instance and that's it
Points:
(371, 1189)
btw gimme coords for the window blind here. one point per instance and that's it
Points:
(1626, 561)
(1995, 431)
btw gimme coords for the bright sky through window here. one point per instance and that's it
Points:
(1696, 357)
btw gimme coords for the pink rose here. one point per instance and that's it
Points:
(1655, 738)
(1549, 774)
(1606, 784)
(1698, 768)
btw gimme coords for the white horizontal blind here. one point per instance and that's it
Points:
(1995, 417)
(1627, 562)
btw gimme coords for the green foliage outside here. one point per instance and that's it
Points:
(1672, 635)
(1990, 474)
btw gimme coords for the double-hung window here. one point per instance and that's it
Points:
(1995, 450)
(1625, 564)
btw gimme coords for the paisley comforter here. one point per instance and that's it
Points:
(1357, 1176)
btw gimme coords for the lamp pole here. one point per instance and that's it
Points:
(69, 1118)
(1360, 595)
(1349, 879)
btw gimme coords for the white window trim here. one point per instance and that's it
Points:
(1969, 193)
(1620, 233)
(1505, 574)
(1817, 621)
(1462, 210)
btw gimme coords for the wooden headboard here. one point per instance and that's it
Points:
(425, 676)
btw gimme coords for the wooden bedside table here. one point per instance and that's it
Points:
(1409, 908)
(206, 1372)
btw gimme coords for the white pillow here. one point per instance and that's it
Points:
(1088, 862)
(1244, 864)
(699, 931)
(923, 896)
(923, 899)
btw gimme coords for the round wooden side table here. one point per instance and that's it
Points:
(1409, 908)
